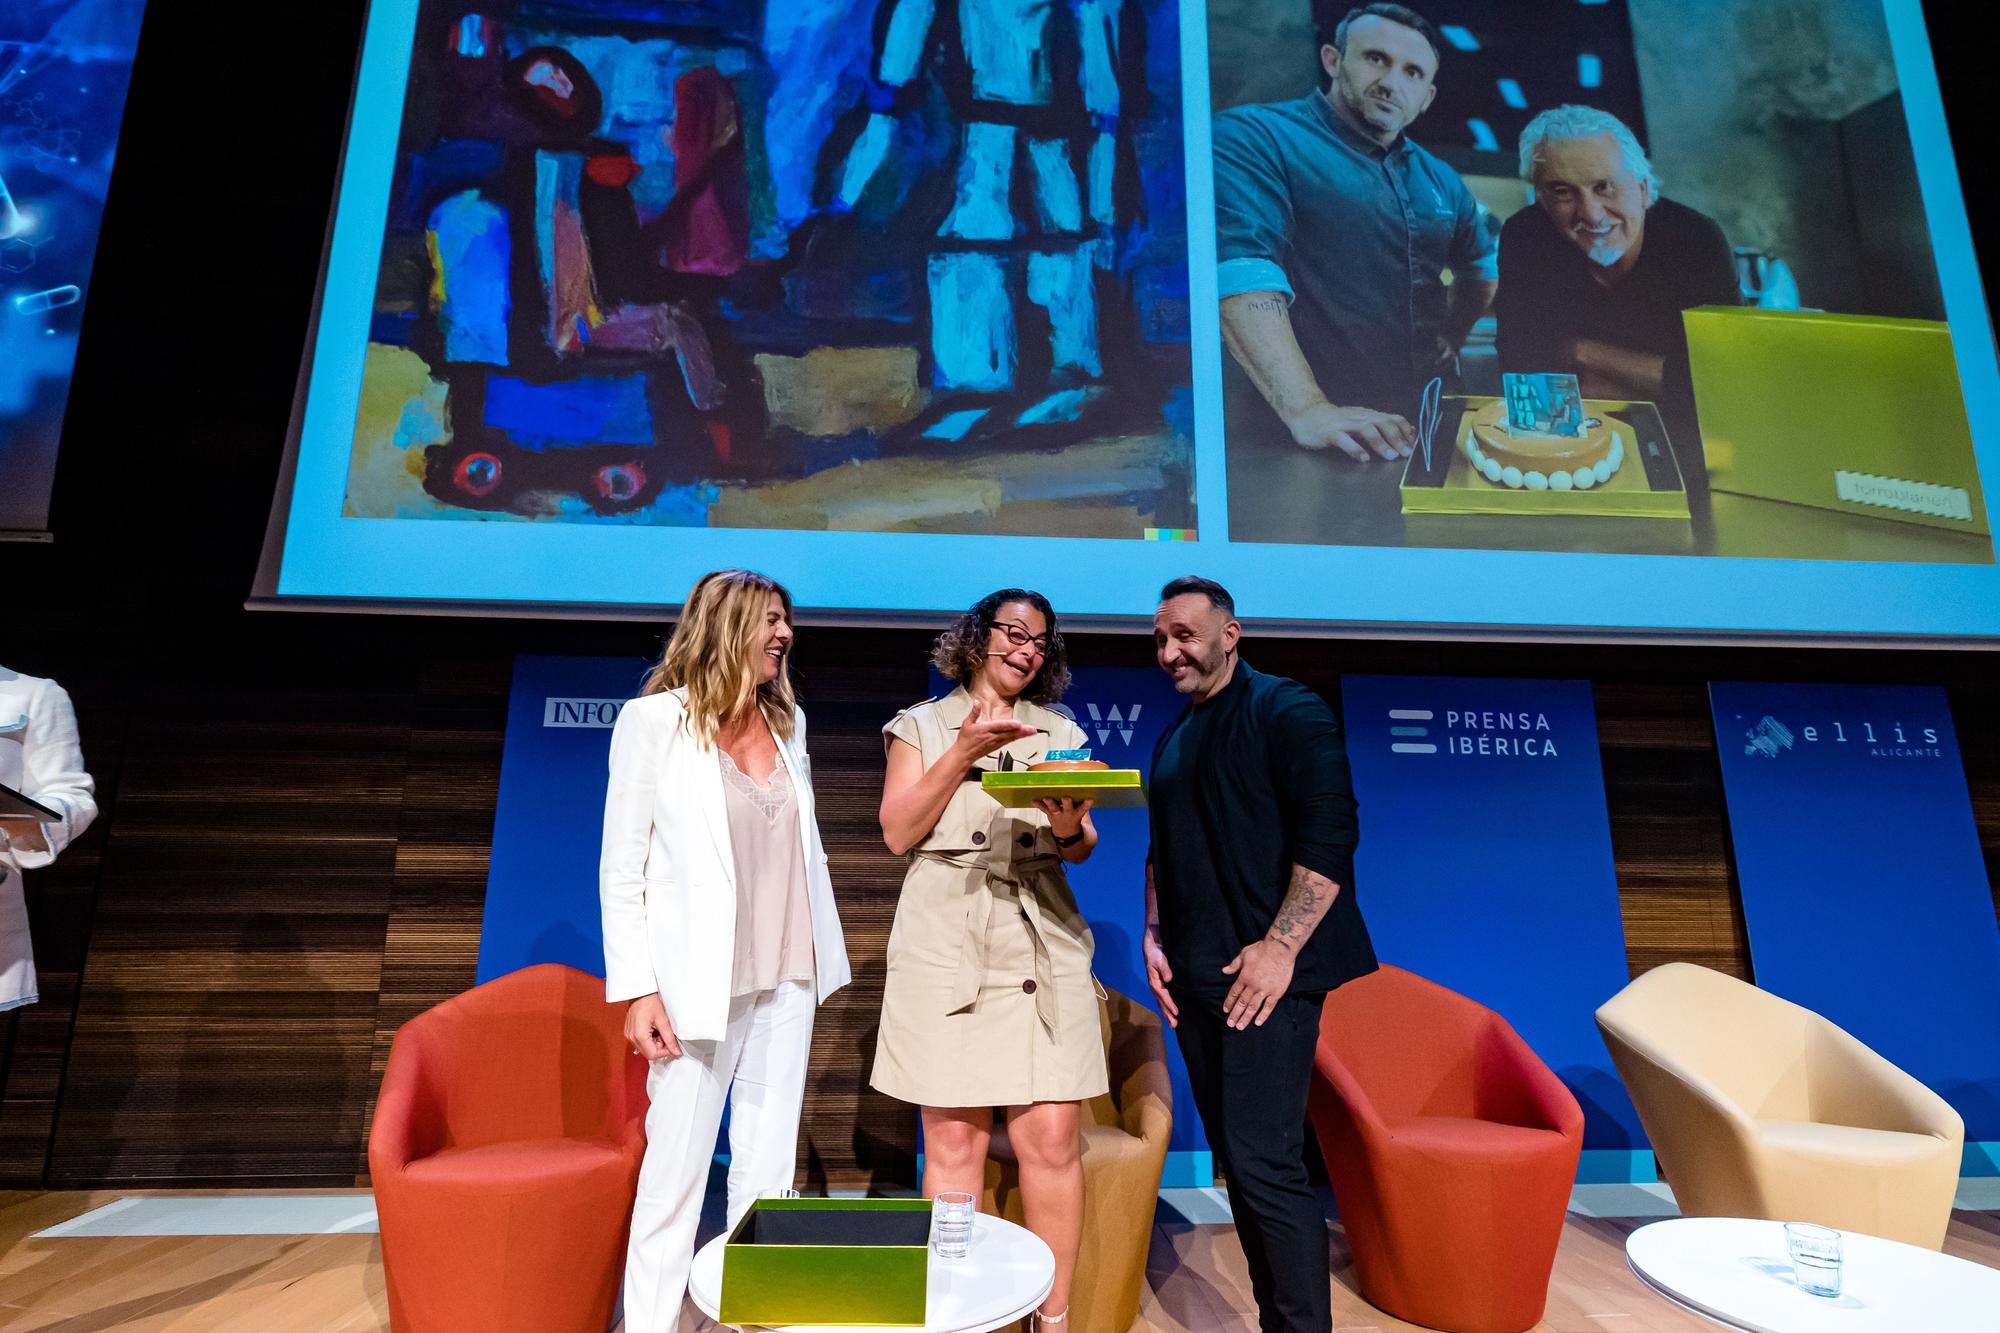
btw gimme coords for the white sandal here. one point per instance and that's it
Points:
(1042, 1320)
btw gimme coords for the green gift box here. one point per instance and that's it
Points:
(827, 1261)
(1105, 787)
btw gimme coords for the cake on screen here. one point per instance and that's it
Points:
(1538, 438)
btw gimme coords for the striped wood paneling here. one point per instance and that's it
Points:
(288, 869)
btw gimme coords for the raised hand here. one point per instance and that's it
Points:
(980, 735)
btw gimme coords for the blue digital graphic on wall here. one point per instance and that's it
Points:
(1485, 863)
(1864, 891)
(64, 68)
(541, 885)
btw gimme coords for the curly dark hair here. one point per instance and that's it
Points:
(961, 650)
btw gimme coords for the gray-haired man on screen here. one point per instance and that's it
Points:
(1599, 270)
(1334, 231)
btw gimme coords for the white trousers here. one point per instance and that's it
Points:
(759, 1067)
(17, 949)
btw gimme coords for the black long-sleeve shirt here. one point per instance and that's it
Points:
(1549, 293)
(1245, 786)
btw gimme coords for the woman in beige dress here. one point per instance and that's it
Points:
(989, 1000)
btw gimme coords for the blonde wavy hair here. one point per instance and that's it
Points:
(715, 653)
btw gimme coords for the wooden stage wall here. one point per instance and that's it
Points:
(291, 861)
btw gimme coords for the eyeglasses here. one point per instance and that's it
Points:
(1018, 636)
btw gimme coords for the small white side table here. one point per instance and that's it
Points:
(1008, 1273)
(1738, 1273)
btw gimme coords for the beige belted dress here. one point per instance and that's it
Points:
(989, 998)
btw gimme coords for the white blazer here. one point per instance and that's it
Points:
(39, 757)
(667, 879)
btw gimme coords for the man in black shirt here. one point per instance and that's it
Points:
(1250, 921)
(1595, 274)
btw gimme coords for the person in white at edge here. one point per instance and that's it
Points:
(39, 758)
(720, 931)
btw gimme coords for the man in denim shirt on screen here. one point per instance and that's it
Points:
(1333, 232)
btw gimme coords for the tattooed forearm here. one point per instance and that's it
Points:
(1257, 327)
(1306, 903)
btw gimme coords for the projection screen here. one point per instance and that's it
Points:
(1647, 318)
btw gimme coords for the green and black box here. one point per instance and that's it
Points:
(828, 1261)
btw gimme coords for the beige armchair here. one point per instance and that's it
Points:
(1757, 1107)
(1124, 1150)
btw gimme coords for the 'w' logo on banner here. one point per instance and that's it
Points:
(1106, 723)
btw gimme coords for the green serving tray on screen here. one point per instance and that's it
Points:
(1108, 787)
(828, 1262)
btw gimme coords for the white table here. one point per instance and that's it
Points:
(1738, 1273)
(1008, 1273)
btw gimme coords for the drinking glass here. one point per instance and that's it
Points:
(951, 1223)
(1815, 1257)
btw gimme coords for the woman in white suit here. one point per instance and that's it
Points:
(720, 932)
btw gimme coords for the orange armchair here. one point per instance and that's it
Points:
(505, 1155)
(1451, 1149)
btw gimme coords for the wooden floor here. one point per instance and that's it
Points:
(333, 1284)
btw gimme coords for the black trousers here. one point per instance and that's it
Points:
(1250, 1088)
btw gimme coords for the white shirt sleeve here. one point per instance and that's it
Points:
(53, 773)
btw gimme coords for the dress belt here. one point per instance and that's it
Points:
(1020, 874)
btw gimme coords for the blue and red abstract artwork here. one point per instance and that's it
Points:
(876, 265)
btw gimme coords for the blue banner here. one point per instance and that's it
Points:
(1864, 891)
(1485, 865)
(541, 886)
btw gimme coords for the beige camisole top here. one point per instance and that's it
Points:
(773, 915)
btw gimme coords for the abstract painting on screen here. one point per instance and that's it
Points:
(868, 265)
